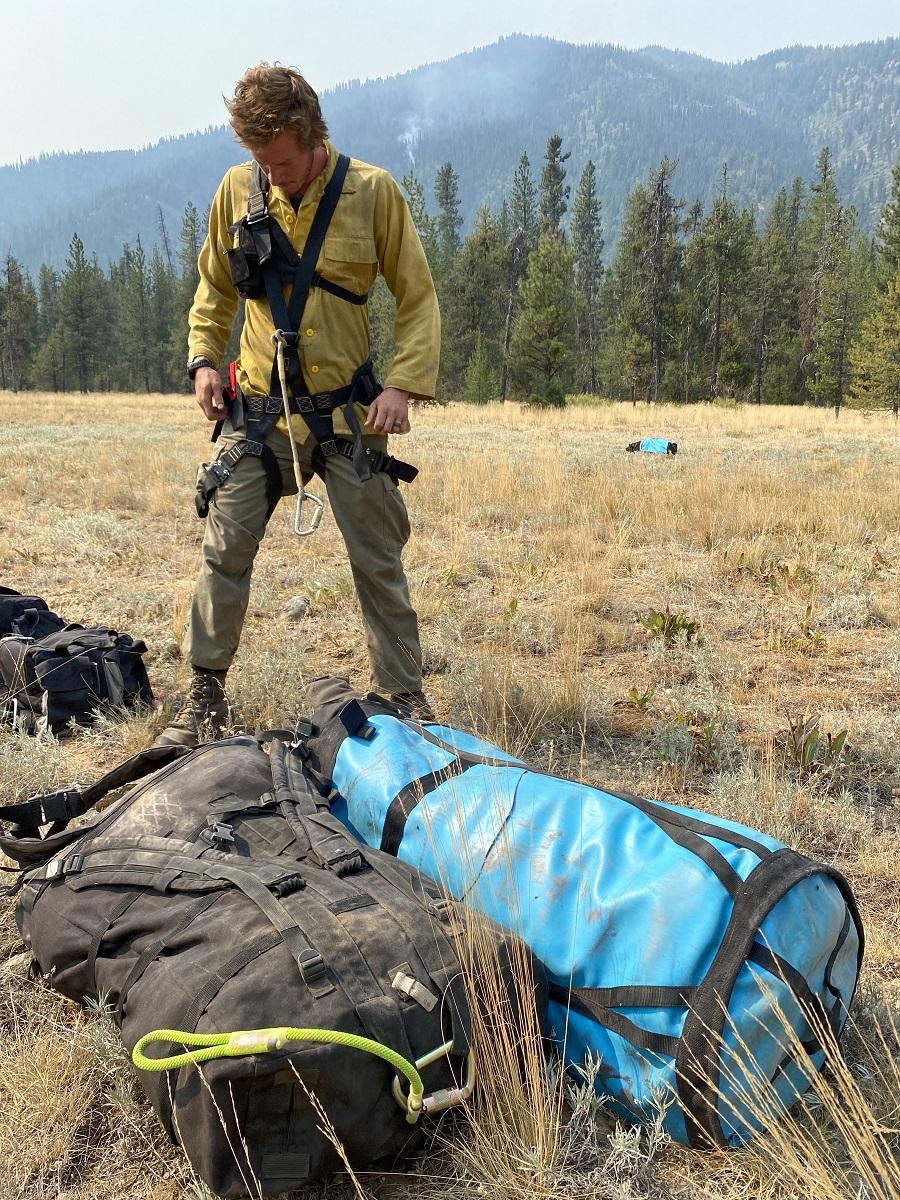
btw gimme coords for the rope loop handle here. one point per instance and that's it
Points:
(205, 1047)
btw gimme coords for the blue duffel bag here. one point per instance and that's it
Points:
(693, 958)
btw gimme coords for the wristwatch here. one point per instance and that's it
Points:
(196, 363)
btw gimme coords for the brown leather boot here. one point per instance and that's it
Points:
(414, 704)
(203, 715)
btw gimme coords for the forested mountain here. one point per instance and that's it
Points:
(624, 110)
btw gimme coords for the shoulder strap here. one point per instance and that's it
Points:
(24, 844)
(287, 316)
(258, 196)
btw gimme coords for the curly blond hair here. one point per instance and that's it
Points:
(269, 100)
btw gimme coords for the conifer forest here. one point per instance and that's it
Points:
(691, 302)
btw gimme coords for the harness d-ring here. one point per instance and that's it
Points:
(279, 341)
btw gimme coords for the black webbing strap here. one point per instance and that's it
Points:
(697, 1061)
(259, 425)
(152, 952)
(582, 1001)
(45, 809)
(335, 289)
(118, 910)
(286, 315)
(409, 796)
(23, 843)
(821, 1021)
(312, 247)
(642, 995)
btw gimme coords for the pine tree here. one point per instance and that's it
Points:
(725, 244)
(663, 263)
(18, 325)
(776, 345)
(845, 301)
(875, 354)
(189, 243)
(422, 219)
(134, 318)
(49, 363)
(480, 384)
(473, 304)
(821, 236)
(542, 350)
(82, 315)
(887, 235)
(520, 242)
(162, 321)
(587, 244)
(554, 189)
(690, 310)
(523, 205)
(641, 297)
(449, 221)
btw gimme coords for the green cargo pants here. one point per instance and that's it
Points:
(373, 522)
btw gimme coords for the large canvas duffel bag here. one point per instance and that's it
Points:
(218, 910)
(698, 959)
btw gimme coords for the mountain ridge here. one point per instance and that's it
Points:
(767, 117)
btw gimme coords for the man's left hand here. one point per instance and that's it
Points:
(389, 412)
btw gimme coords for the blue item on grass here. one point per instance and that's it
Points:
(653, 446)
(650, 919)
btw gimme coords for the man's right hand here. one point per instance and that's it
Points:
(208, 390)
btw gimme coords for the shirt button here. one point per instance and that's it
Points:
(314, 368)
(310, 333)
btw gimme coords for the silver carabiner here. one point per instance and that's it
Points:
(316, 516)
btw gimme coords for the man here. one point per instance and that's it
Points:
(263, 217)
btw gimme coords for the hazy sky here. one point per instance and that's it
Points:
(91, 74)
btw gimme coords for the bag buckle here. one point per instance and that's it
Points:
(220, 834)
(313, 972)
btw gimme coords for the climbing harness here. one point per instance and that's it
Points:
(263, 262)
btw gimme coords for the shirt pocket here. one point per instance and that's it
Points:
(350, 262)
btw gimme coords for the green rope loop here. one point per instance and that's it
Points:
(209, 1046)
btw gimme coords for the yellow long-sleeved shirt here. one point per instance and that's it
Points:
(371, 232)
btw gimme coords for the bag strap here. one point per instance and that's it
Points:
(24, 843)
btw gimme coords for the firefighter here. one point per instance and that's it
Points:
(300, 233)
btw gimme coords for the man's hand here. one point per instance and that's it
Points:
(208, 390)
(389, 412)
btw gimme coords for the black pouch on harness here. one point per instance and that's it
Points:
(244, 264)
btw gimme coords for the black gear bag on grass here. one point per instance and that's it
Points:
(26, 616)
(217, 895)
(68, 675)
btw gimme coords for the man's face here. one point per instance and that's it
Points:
(286, 163)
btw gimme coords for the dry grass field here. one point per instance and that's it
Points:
(669, 626)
